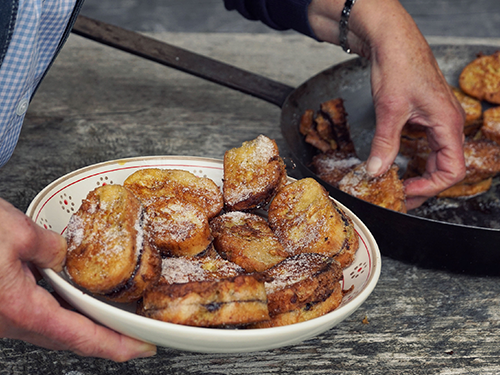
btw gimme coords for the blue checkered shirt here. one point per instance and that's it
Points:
(39, 28)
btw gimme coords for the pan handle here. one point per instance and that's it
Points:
(183, 60)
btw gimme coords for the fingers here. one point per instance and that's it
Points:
(444, 168)
(29, 312)
(37, 318)
(28, 241)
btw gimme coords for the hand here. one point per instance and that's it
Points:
(30, 313)
(407, 87)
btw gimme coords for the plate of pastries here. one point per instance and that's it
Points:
(208, 255)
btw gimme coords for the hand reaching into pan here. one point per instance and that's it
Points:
(29, 312)
(407, 87)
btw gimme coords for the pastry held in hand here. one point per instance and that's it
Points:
(386, 190)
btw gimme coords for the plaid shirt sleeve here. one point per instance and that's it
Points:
(40, 25)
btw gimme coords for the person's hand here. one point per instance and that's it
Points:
(407, 87)
(30, 313)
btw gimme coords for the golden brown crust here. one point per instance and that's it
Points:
(108, 251)
(328, 130)
(386, 190)
(247, 240)
(481, 78)
(147, 275)
(151, 183)
(299, 280)
(228, 302)
(333, 166)
(335, 112)
(482, 160)
(253, 173)
(307, 312)
(473, 111)
(306, 220)
(306, 122)
(491, 124)
(463, 189)
(178, 227)
(209, 267)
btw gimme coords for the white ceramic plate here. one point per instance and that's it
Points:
(54, 205)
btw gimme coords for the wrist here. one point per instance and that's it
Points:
(371, 22)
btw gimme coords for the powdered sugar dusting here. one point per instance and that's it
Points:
(290, 271)
(352, 183)
(178, 270)
(75, 232)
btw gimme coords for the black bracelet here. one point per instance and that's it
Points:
(344, 25)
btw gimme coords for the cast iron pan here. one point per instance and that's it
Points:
(457, 246)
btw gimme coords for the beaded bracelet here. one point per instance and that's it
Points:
(344, 25)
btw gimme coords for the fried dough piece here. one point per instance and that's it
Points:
(386, 190)
(233, 301)
(151, 183)
(481, 78)
(180, 270)
(464, 189)
(299, 280)
(253, 173)
(178, 227)
(247, 240)
(307, 128)
(306, 312)
(109, 253)
(491, 124)
(328, 129)
(332, 167)
(306, 220)
(303, 287)
(473, 111)
(335, 112)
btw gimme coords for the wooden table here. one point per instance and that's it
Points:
(98, 104)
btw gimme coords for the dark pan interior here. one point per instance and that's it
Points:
(461, 235)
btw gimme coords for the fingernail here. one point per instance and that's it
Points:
(147, 354)
(147, 350)
(373, 165)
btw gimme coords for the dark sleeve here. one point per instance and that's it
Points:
(277, 14)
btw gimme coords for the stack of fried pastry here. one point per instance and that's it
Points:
(338, 164)
(260, 253)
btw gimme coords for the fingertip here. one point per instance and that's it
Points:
(374, 166)
(147, 350)
(60, 247)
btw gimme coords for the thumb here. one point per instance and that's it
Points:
(385, 143)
